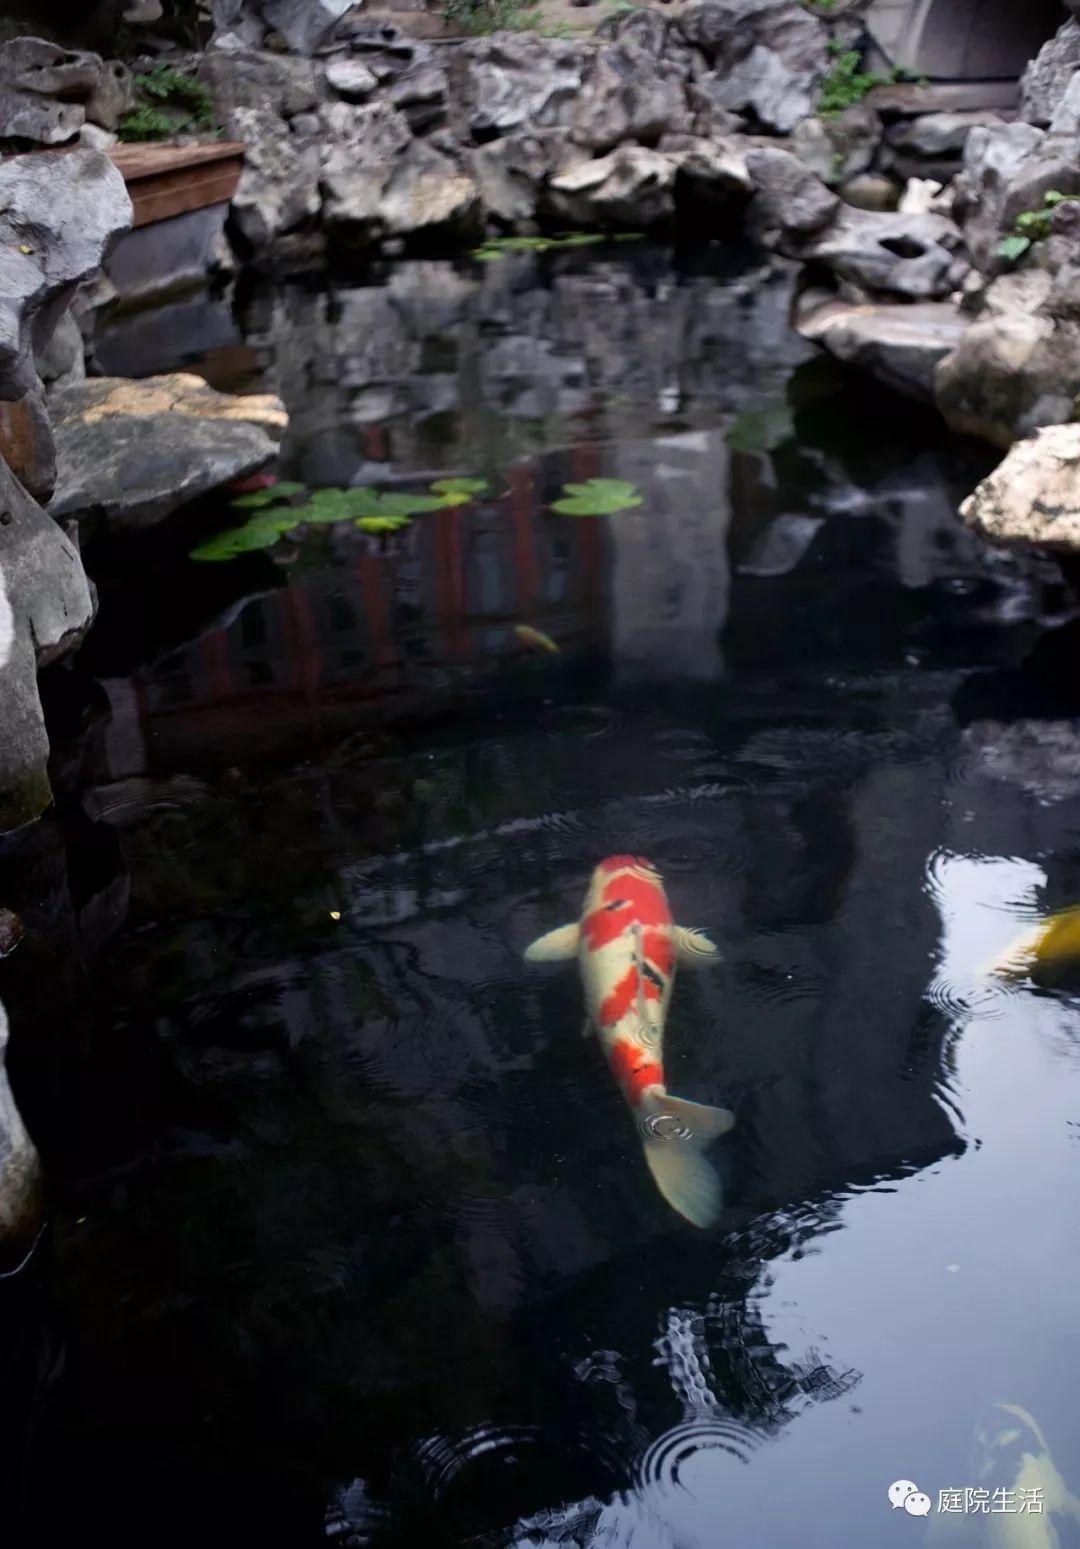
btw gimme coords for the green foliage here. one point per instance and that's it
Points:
(1032, 226)
(597, 497)
(167, 103)
(278, 512)
(761, 430)
(847, 83)
(483, 16)
(498, 247)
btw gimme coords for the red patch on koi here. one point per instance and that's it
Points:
(659, 950)
(604, 926)
(615, 1006)
(647, 902)
(624, 863)
(635, 1070)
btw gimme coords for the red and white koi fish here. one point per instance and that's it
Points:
(627, 947)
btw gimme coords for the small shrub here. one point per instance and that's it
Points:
(1032, 226)
(167, 103)
(483, 16)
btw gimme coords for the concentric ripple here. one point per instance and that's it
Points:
(677, 1459)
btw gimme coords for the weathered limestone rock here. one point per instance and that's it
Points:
(48, 93)
(46, 608)
(20, 1173)
(277, 84)
(628, 95)
(511, 172)
(1046, 78)
(302, 24)
(130, 453)
(379, 182)
(632, 188)
(279, 186)
(836, 149)
(912, 256)
(1007, 169)
(769, 57)
(936, 135)
(1033, 497)
(35, 65)
(112, 97)
(515, 81)
(870, 191)
(711, 173)
(1011, 374)
(899, 345)
(58, 217)
(791, 200)
(351, 79)
(420, 94)
(38, 119)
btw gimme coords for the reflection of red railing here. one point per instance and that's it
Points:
(296, 662)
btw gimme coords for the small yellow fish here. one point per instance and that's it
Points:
(1051, 945)
(536, 638)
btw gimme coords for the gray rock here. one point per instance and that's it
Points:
(839, 148)
(711, 174)
(59, 215)
(350, 78)
(20, 1173)
(916, 257)
(112, 97)
(511, 172)
(791, 200)
(1012, 374)
(870, 191)
(304, 24)
(933, 135)
(366, 143)
(248, 78)
(1033, 497)
(419, 190)
(62, 362)
(769, 56)
(39, 120)
(632, 187)
(420, 94)
(517, 81)
(279, 186)
(131, 453)
(899, 345)
(237, 25)
(35, 65)
(1006, 167)
(1066, 119)
(46, 606)
(627, 94)
(1047, 77)
(708, 115)
(91, 138)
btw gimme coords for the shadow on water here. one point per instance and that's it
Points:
(350, 1234)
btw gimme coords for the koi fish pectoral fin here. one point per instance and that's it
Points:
(694, 949)
(558, 946)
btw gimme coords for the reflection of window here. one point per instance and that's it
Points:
(252, 625)
(341, 614)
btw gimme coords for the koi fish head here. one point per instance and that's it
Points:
(622, 876)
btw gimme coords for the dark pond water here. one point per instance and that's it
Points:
(350, 1239)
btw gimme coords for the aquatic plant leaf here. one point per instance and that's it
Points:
(459, 486)
(1013, 248)
(265, 497)
(237, 540)
(381, 523)
(597, 497)
(498, 247)
(761, 430)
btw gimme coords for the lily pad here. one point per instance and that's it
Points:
(499, 247)
(459, 486)
(382, 523)
(1013, 248)
(266, 497)
(237, 540)
(597, 497)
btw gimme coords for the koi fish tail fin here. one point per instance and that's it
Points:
(674, 1133)
(1017, 958)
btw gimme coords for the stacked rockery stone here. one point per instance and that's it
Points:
(52, 96)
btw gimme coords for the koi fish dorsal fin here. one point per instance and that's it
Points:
(694, 949)
(558, 946)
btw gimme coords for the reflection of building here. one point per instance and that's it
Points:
(371, 633)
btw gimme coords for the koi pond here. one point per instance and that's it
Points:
(350, 1236)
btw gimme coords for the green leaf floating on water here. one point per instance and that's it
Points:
(459, 486)
(597, 497)
(499, 247)
(761, 430)
(368, 509)
(1013, 248)
(269, 496)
